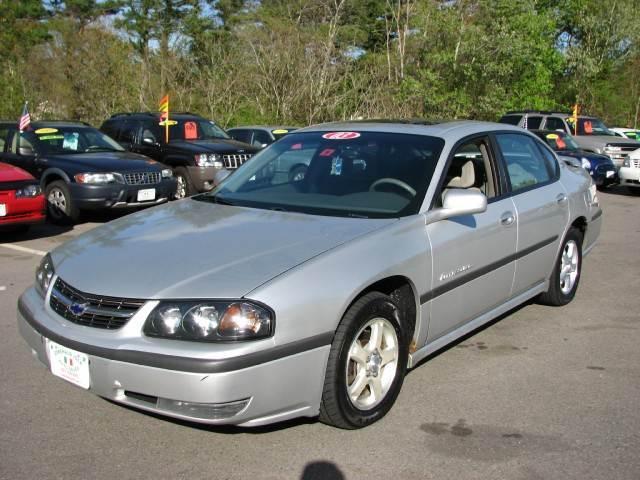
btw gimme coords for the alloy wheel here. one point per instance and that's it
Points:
(569, 266)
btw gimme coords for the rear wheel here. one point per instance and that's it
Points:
(634, 190)
(565, 278)
(60, 206)
(366, 365)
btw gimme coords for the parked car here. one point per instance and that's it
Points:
(592, 134)
(600, 167)
(626, 132)
(81, 168)
(259, 136)
(21, 200)
(313, 297)
(200, 153)
(630, 172)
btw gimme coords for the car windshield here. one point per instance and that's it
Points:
(193, 129)
(68, 140)
(592, 126)
(560, 142)
(356, 174)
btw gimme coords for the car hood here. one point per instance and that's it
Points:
(9, 173)
(214, 146)
(105, 161)
(193, 249)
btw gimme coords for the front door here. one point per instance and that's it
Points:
(473, 255)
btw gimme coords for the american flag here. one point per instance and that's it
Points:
(25, 119)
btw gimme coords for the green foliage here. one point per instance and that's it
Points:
(307, 61)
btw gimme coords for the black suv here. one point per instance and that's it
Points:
(80, 168)
(200, 153)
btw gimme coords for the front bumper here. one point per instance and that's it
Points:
(21, 211)
(629, 177)
(118, 195)
(279, 389)
(204, 179)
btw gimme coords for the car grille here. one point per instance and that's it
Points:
(93, 310)
(234, 160)
(142, 178)
(635, 162)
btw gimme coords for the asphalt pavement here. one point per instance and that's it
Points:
(542, 393)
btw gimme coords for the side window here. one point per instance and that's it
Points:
(151, 130)
(128, 132)
(4, 133)
(472, 168)
(241, 135)
(260, 138)
(526, 167)
(110, 129)
(533, 123)
(551, 162)
(555, 123)
(511, 119)
(24, 142)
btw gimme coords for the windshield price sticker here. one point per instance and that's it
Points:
(552, 136)
(44, 131)
(340, 135)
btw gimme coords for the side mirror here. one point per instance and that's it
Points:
(149, 141)
(27, 151)
(456, 203)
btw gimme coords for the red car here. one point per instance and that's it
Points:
(21, 200)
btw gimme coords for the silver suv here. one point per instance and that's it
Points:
(592, 135)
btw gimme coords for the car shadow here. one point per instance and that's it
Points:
(40, 230)
(620, 190)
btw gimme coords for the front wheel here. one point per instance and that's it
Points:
(366, 365)
(565, 277)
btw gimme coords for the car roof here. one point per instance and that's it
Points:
(49, 123)
(265, 127)
(454, 129)
(137, 115)
(545, 112)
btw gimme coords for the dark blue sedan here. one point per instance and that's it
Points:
(601, 168)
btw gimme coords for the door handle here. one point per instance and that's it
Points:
(507, 218)
(562, 198)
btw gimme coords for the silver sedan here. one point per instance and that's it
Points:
(275, 297)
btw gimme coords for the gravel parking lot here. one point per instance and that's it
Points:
(541, 393)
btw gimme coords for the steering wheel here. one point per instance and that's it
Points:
(393, 181)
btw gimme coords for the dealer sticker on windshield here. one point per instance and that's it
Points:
(68, 364)
(340, 135)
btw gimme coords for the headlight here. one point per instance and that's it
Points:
(210, 321)
(28, 191)
(167, 173)
(626, 162)
(97, 178)
(585, 163)
(209, 160)
(44, 274)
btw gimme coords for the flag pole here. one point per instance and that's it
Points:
(166, 124)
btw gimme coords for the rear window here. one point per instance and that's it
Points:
(511, 119)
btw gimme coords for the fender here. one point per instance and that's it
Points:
(54, 171)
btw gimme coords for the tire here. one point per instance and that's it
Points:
(184, 187)
(364, 368)
(633, 190)
(563, 286)
(297, 173)
(61, 208)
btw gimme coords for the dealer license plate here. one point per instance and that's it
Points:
(146, 194)
(610, 173)
(3, 210)
(68, 364)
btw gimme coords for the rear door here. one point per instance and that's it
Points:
(541, 205)
(473, 255)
